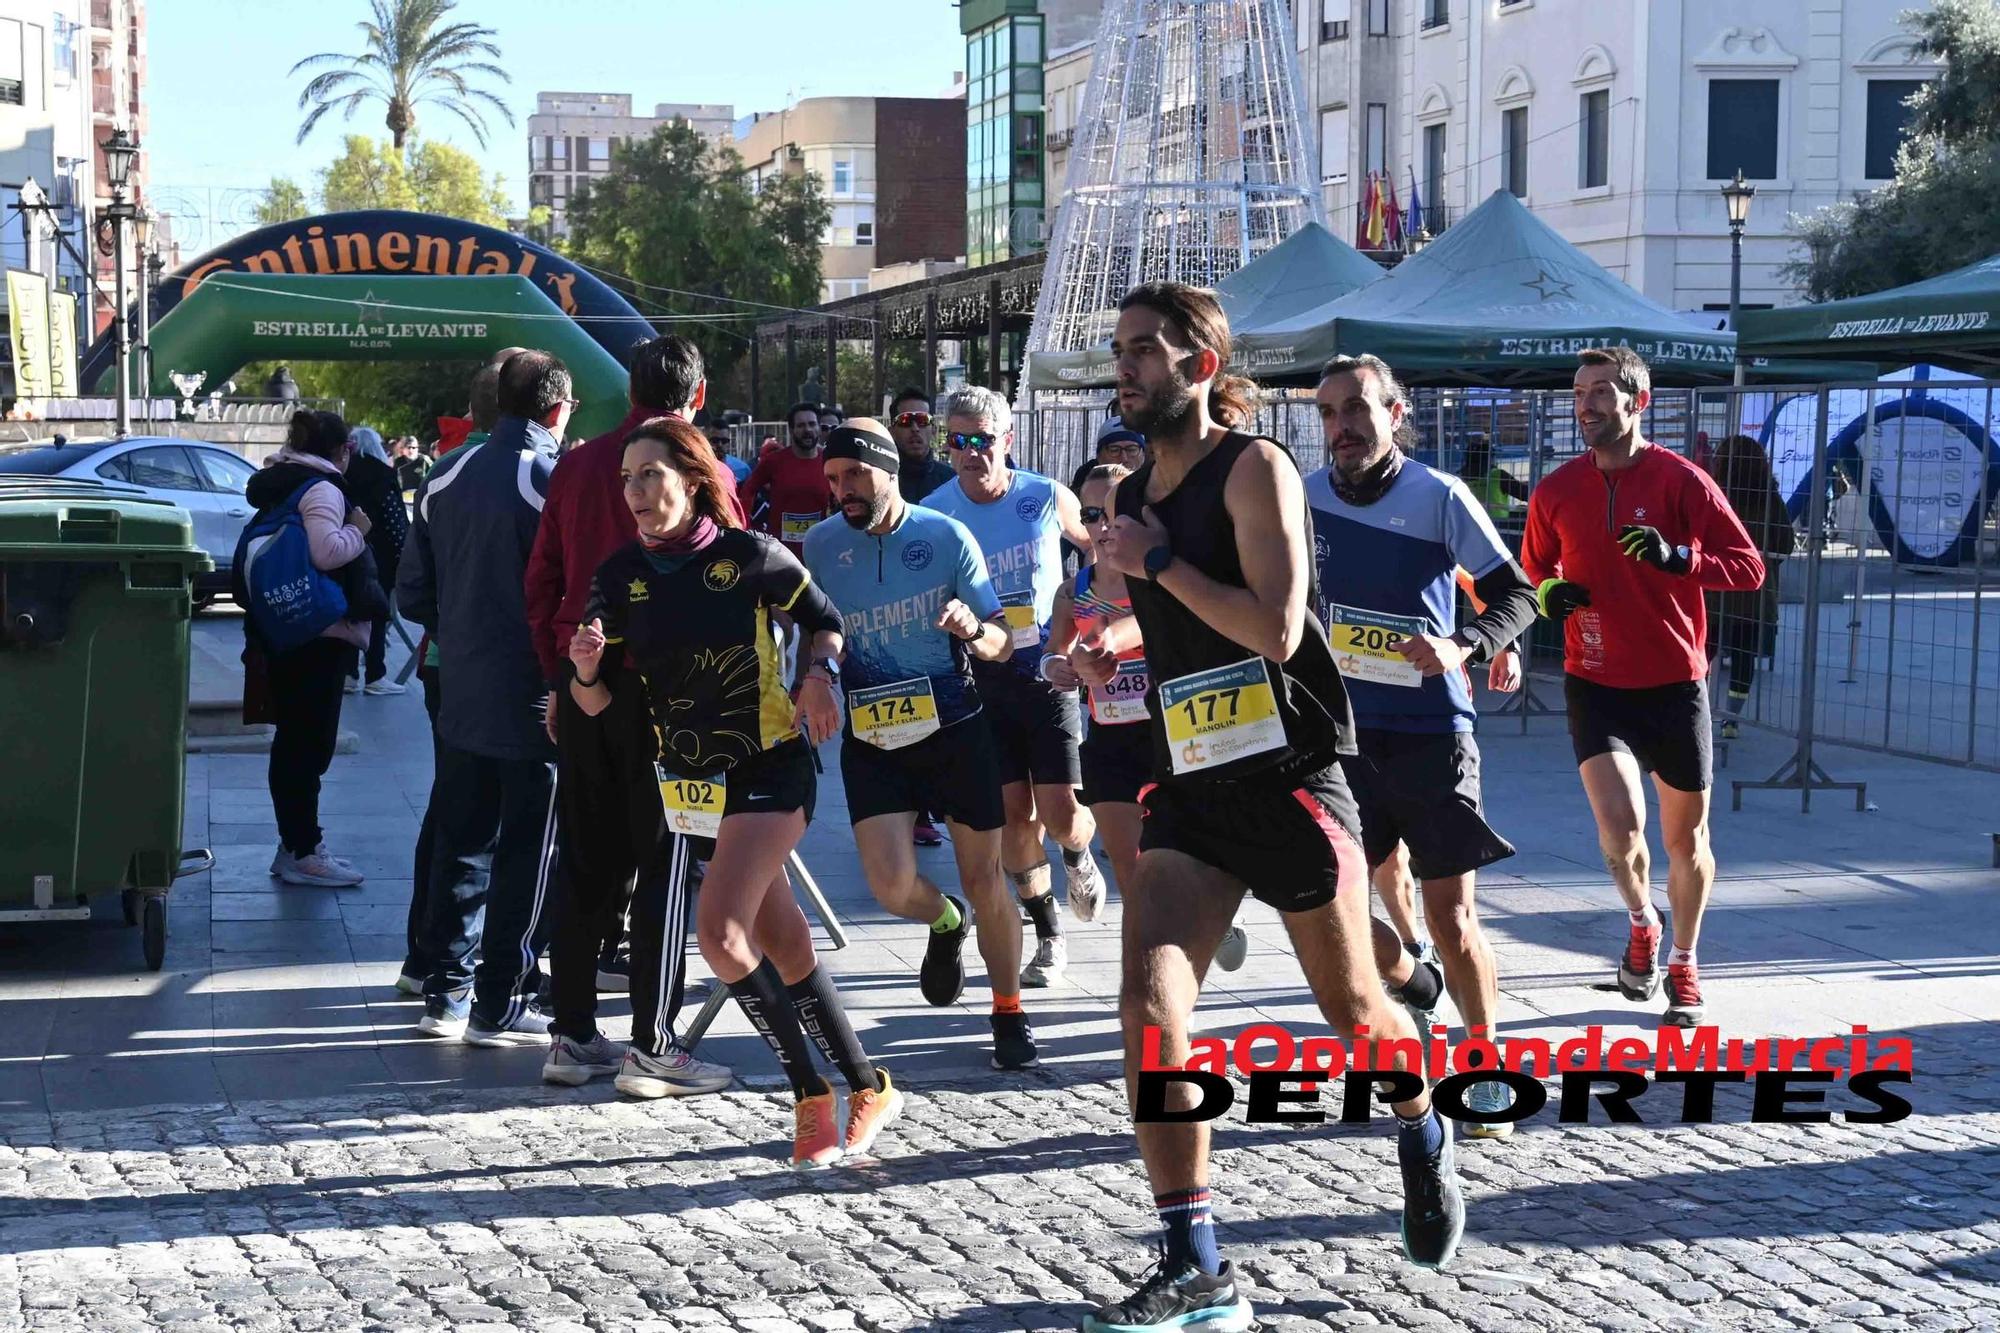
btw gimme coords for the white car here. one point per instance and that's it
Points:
(207, 480)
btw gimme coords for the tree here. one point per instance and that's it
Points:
(676, 228)
(409, 56)
(283, 201)
(431, 178)
(1927, 220)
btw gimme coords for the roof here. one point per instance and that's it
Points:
(1950, 320)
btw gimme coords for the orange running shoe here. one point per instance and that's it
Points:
(869, 1113)
(815, 1138)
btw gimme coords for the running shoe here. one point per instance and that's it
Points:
(574, 1063)
(1086, 887)
(409, 981)
(1047, 966)
(1234, 949)
(614, 972)
(384, 686)
(352, 685)
(1176, 1298)
(942, 977)
(869, 1112)
(1729, 729)
(445, 1015)
(1684, 1006)
(1426, 956)
(1014, 1042)
(529, 1028)
(815, 1135)
(926, 834)
(1433, 1207)
(674, 1074)
(1638, 971)
(1489, 1098)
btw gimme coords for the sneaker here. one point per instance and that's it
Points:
(926, 834)
(529, 1028)
(575, 1063)
(1684, 1006)
(1729, 729)
(1426, 956)
(1178, 1298)
(352, 685)
(675, 1074)
(1234, 949)
(1046, 967)
(1433, 1207)
(815, 1136)
(1487, 1098)
(942, 976)
(445, 1015)
(614, 973)
(869, 1113)
(385, 686)
(408, 982)
(320, 871)
(282, 858)
(1086, 888)
(1638, 971)
(1013, 1042)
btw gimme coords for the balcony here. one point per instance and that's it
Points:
(1434, 217)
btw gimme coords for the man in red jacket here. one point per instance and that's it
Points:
(1621, 543)
(607, 800)
(795, 479)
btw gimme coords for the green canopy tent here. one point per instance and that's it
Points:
(234, 318)
(1951, 320)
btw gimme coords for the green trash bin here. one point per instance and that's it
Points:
(95, 605)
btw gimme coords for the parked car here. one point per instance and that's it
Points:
(207, 480)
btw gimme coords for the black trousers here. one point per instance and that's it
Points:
(608, 802)
(415, 964)
(375, 659)
(305, 701)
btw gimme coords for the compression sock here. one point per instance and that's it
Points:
(1074, 858)
(824, 1019)
(1042, 911)
(1190, 1230)
(1421, 1137)
(948, 920)
(764, 1002)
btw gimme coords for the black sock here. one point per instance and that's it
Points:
(769, 1009)
(1042, 911)
(1421, 990)
(1074, 858)
(823, 1018)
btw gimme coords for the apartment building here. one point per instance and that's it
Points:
(571, 137)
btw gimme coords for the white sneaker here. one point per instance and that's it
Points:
(281, 860)
(320, 871)
(529, 1028)
(575, 1063)
(352, 685)
(675, 1074)
(343, 862)
(385, 686)
(1047, 966)
(1086, 887)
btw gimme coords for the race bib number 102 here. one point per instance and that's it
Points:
(693, 805)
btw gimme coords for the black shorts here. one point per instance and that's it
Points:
(953, 773)
(1664, 727)
(1294, 850)
(1036, 728)
(1117, 762)
(776, 782)
(1423, 790)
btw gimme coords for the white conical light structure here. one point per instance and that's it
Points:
(1191, 158)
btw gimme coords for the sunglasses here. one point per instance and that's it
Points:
(976, 440)
(918, 420)
(1093, 513)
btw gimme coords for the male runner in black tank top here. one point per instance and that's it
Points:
(1250, 719)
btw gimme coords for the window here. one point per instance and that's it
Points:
(1434, 166)
(1437, 13)
(558, 153)
(13, 67)
(164, 467)
(600, 154)
(1334, 16)
(843, 175)
(224, 472)
(1743, 129)
(1888, 124)
(115, 470)
(864, 233)
(1333, 144)
(1514, 150)
(1375, 151)
(1593, 154)
(1378, 18)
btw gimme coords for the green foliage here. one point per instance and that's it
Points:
(395, 397)
(284, 201)
(432, 178)
(410, 56)
(1932, 217)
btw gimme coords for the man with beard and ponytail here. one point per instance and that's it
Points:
(1250, 721)
(919, 609)
(1389, 535)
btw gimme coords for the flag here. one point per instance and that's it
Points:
(1415, 223)
(1378, 231)
(1367, 212)
(1394, 214)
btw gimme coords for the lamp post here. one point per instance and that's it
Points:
(1736, 197)
(142, 246)
(119, 150)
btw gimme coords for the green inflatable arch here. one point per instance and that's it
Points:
(234, 318)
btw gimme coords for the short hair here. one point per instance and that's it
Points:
(905, 395)
(532, 384)
(1111, 472)
(1391, 388)
(666, 371)
(796, 408)
(485, 401)
(1634, 375)
(982, 405)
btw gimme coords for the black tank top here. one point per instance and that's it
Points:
(1310, 700)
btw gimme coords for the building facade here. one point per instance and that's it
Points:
(571, 137)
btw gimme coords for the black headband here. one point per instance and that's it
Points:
(864, 445)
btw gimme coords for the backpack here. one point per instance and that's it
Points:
(287, 600)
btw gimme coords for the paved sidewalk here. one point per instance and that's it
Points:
(256, 1138)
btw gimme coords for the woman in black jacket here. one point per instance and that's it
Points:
(1743, 626)
(376, 491)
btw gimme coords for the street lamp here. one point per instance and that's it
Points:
(119, 150)
(1736, 197)
(142, 243)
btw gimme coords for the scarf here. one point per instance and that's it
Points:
(698, 535)
(1372, 484)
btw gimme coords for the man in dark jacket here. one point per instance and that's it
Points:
(493, 799)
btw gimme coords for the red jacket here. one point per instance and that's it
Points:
(1643, 627)
(584, 520)
(800, 496)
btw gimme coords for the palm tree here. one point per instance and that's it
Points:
(410, 56)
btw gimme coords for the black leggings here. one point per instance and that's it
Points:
(305, 702)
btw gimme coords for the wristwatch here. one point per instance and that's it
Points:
(1157, 561)
(830, 665)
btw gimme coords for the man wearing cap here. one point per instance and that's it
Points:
(919, 609)
(1117, 444)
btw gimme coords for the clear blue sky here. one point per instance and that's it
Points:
(223, 105)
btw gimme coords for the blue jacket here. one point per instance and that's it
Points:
(461, 579)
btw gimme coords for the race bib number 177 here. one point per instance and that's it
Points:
(1217, 716)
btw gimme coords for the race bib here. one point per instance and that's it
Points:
(1023, 630)
(694, 805)
(1214, 717)
(796, 526)
(1364, 645)
(889, 717)
(1124, 699)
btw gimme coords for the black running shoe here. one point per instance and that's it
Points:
(1013, 1042)
(1185, 1298)
(942, 977)
(1433, 1207)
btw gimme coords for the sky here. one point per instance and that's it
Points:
(223, 105)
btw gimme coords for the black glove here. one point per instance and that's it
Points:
(1651, 546)
(1556, 598)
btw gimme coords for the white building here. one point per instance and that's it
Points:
(571, 135)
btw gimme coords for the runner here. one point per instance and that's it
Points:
(681, 617)
(919, 609)
(792, 476)
(1621, 543)
(911, 422)
(1389, 533)
(1249, 720)
(1020, 520)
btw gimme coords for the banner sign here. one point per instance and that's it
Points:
(28, 331)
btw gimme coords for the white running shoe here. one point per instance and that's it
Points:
(575, 1063)
(675, 1074)
(352, 685)
(1086, 887)
(385, 686)
(1047, 966)
(320, 871)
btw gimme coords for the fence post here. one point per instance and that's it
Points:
(1978, 592)
(1889, 666)
(1860, 550)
